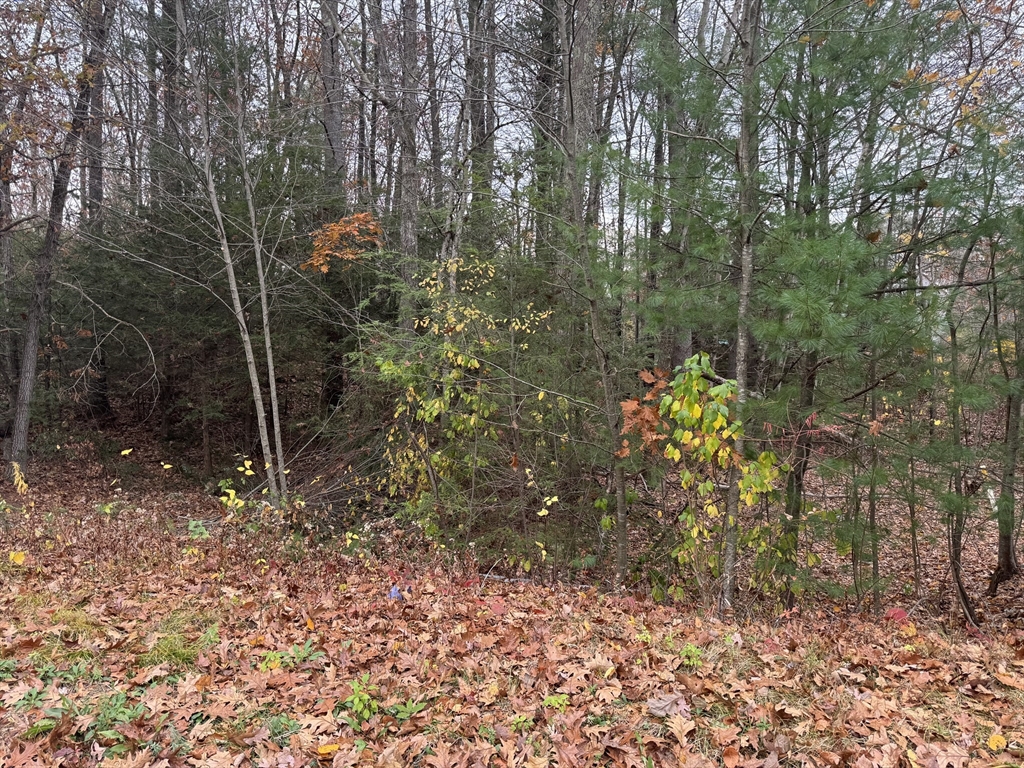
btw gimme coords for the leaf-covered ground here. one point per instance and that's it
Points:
(142, 630)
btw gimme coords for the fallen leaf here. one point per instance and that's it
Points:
(996, 742)
(680, 727)
(668, 704)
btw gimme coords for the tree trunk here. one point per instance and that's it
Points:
(277, 460)
(409, 178)
(434, 100)
(334, 97)
(98, 20)
(795, 480)
(207, 162)
(748, 31)
(1006, 563)
(957, 519)
(92, 136)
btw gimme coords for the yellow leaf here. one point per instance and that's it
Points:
(908, 630)
(328, 749)
(167, 466)
(126, 451)
(540, 395)
(996, 742)
(309, 624)
(19, 479)
(18, 558)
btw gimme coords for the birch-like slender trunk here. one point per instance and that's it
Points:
(206, 157)
(748, 31)
(277, 460)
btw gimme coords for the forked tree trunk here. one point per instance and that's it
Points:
(277, 460)
(206, 158)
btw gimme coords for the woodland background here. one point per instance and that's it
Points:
(412, 256)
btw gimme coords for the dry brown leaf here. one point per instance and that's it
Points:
(680, 727)
(668, 704)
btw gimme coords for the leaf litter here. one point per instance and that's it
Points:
(129, 642)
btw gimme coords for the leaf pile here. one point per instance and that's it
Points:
(132, 641)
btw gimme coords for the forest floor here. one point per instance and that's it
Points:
(141, 628)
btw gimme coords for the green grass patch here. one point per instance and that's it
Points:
(76, 625)
(54, 651)
(180, 638)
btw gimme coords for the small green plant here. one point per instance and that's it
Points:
(352, 543)
(361, 704)
(31, 699)
(302, 654)
(229, 496)
(584, 563)
(522, 723)
(271, 660)
(110, 509)
(7, 669)
(558, 702)
(692, 656)
(44, 725)
(281, 728)
(80, 670)
(403, 712)
(107, 717)
(197, 531)
(295, 656)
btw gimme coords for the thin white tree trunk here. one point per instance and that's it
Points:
(746, 159)
(276, 461)
(206, 150)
